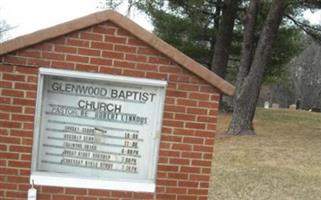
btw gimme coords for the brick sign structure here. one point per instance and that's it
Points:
(100, 109)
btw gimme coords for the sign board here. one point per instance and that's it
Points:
(97, 131)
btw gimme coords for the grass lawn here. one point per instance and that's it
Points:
(282, 162)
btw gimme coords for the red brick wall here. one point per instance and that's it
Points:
(189, 121)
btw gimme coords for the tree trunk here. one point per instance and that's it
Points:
(216, 19)
(217, 14)
(247, 92)
(224, 37)
(248, 41)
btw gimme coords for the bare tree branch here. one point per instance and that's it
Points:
(313, 31)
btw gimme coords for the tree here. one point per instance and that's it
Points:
(4, 27)
(305, 74)
(203, 29)
(224, 38)
(210, 27)
(217, 25)
(252, 69)
(207, 31)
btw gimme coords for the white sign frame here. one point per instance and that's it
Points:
(66, 180)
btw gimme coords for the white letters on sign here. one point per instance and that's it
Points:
(97, 129)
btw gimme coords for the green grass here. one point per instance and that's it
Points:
(282, 162)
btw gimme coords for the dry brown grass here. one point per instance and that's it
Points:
(283, 162)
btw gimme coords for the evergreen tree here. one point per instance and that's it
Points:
(222, 34)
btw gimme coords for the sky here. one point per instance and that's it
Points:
(31, 15)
